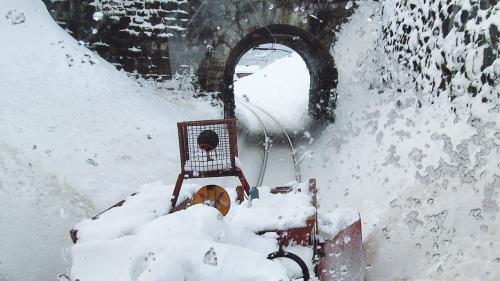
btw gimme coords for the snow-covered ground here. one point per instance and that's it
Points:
(282, 88)
(77, 136)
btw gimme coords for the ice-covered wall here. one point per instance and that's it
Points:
(451, 46)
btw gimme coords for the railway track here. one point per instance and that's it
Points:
(259, 113)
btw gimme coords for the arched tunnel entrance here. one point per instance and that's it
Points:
(273, 78)
(323, 75)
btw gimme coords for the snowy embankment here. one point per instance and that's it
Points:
(76, 136)
(426, 179)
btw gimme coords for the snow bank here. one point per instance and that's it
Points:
(425, 178)
(150, 202)
(79, 115)
(76, 135)
(137, 241)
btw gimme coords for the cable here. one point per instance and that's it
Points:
(298, 176)
(296, 165)
(266, 145)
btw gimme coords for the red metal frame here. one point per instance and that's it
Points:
(342, 257)
(233, 170)
(332, 256)
(306, 235)
(182, 128)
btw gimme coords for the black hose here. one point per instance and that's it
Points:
(295, 258)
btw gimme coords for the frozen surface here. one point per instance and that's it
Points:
(246, 69)
(150, 202)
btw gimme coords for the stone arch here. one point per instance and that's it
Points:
(319, 63)
(310, 31)
(156, 39)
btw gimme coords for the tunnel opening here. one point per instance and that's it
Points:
(320, 64)
(275, 78)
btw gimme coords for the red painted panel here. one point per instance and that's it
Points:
(343, 256)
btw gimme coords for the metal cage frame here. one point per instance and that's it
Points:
(185, 143)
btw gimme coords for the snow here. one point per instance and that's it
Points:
(149, 203)
(246, 68)
(454, 53)
(81, 127)
(331, 223)
(282, 211)
(282, 88)
(77, 136)
(132, 241)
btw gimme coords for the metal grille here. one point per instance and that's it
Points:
(207, 146)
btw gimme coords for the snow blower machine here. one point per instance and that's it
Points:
(287, 214)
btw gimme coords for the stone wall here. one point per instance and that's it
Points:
(158, 38)
(133, 35)
(137, 35)
(451, 46)
(221, 31)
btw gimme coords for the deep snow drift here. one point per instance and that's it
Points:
(76, 136)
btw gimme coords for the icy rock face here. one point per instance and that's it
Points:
(15, 17)
(450, 46)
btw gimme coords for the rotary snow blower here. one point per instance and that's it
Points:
(208, 149)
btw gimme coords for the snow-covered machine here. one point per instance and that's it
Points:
(325, 248)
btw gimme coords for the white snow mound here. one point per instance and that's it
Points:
(75, 134)
(137, 241)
